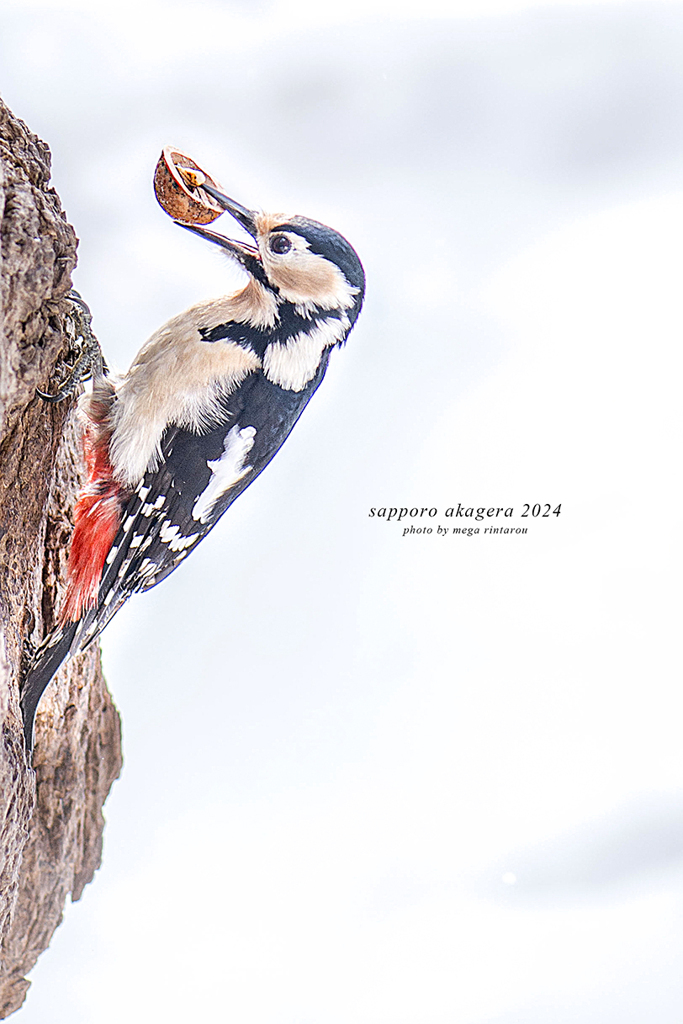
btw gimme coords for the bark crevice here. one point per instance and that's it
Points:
(50, 818)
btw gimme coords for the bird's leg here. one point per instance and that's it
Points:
(84, 349)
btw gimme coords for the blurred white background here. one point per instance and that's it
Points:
(372, 778)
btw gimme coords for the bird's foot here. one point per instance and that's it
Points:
(28, 652)
(84, 358)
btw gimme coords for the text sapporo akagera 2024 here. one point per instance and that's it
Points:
(536, 511)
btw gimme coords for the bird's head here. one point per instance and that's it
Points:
(304, 262)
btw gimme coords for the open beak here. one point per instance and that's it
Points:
(245, 253)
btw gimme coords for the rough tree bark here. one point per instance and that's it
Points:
(51, 819)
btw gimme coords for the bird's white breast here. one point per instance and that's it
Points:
(177, 378)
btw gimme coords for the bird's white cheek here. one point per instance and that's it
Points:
(225, 471)
(306, 279)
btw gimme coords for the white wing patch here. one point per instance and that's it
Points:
(225, 471)
(172, 536)
(293, 364)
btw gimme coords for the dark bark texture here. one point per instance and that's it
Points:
(50, 816)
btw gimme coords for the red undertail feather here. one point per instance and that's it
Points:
(97, 517)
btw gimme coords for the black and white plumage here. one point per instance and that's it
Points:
(205, 406)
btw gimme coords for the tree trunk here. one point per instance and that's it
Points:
(50, 820)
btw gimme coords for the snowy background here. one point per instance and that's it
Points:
(372, 778)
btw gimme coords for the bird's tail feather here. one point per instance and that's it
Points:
(48, 658)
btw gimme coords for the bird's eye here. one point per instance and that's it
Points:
(279, 244)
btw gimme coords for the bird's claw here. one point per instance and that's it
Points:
(89, 361)
(28, 653)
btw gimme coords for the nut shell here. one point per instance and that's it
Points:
(177, 195)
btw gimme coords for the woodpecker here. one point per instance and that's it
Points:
(208, 401)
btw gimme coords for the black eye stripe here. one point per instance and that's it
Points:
(279, 244)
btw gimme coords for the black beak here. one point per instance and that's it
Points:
(247, 218)
(245, 253)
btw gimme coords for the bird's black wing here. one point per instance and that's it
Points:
(200, 475)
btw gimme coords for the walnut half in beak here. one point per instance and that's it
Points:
(178, 181)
